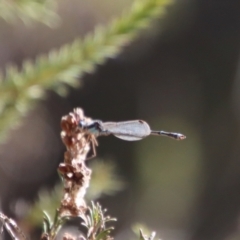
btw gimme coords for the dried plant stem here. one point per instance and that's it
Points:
(12, 228)
(75, 174)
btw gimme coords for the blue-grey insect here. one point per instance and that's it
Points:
(127, 130)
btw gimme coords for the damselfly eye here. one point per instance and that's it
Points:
(81, 124)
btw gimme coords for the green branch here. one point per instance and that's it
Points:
(55, 71)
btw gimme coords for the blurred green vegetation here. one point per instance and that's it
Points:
(60, 69)
(29, 10)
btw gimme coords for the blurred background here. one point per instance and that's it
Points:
(182, 74)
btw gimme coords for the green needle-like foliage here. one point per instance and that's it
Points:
(28, 10)
(95, 222)
(56, 70)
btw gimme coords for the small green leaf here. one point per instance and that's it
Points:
(47, 222)
(103, 235)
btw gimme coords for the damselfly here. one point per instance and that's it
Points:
(128, 130)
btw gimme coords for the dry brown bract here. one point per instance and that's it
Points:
(75, 174)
